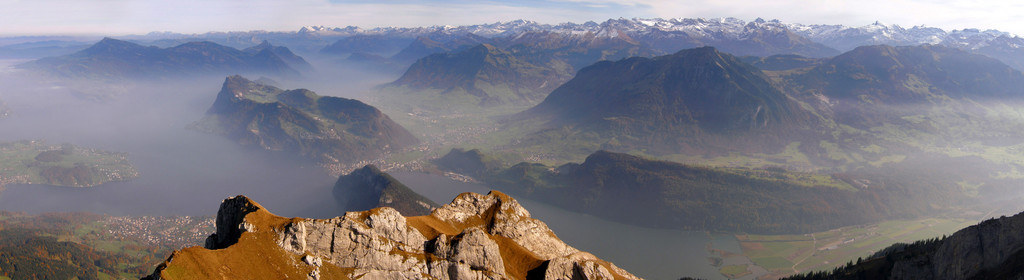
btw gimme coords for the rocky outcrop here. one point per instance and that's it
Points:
(970, 252)
(474, 237)
(232, 212)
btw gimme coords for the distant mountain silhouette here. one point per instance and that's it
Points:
(367, 188)
(912, 74)
(494, 75)
(293, 60)
(111, 58)
(860, 87)
(424, 46)
(375, 44)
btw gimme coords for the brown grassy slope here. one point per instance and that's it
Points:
(257, 255)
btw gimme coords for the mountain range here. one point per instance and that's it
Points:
(718, 31)
(893, 130)
(116, 59)
(695, 100)
(325, 128)
(911, 74)
(44, 48)
(863, 87)
(759, 37)
(644, 37)
(707, 103)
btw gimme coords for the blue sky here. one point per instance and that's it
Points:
(121, 17)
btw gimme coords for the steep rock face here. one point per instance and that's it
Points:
(368, 187)
(971, 252)
(112, 58)
(474, 237)
(328, 129)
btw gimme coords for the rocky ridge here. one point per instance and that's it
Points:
(474, 237)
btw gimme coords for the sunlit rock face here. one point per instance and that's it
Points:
(474, 237)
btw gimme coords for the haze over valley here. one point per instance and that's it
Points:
(712, 148)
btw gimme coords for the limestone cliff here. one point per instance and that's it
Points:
(473, 237)
(982, 251)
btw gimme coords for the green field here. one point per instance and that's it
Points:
(734, 271)
(36, 162)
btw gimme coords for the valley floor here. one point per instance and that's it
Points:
(776, 256)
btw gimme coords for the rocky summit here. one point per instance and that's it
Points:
(474, 237)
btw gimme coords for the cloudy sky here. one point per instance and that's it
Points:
(121, 17)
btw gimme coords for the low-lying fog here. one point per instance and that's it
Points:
(182, 171)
